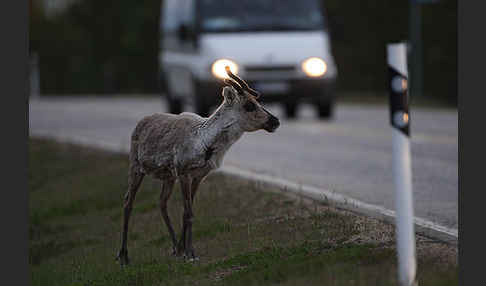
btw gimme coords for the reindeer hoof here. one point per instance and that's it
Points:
(122, 257)
(190, 257)
(174, 252)
(179, 251)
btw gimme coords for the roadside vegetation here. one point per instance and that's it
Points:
(243, 236)
(91, 46)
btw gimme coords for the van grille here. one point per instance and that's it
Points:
(270, 68)
(270, 72)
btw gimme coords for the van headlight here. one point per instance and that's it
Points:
(218, 68)
(314, 67)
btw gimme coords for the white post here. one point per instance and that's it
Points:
(402, 173)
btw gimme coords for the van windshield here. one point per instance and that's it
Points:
(259, 15)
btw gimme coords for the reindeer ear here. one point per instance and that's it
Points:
(229, 93)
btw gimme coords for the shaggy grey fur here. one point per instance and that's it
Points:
(186, 147)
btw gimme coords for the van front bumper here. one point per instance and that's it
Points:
(284, 91)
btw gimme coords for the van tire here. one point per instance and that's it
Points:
(202, 107)
(174, 105)
(291, 109)
(325, 109)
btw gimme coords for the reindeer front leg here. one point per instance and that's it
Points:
(165, 193)
(185, 243)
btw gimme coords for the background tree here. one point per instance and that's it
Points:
(107, 46)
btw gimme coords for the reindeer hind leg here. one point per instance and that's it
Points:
(135, 178)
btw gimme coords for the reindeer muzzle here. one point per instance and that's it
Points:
(272, 124)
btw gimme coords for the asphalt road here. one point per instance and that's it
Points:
(351, 155)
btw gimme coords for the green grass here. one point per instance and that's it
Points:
(242, 235)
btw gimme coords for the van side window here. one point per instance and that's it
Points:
(175, 13)
(169, 15)
(187, 12)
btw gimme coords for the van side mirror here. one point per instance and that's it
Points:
(185, 33)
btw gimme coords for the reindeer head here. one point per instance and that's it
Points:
(251, 115)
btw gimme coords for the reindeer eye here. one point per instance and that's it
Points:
(249, 106)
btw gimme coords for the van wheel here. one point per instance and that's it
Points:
(202, 107)
(325, 109)
(175, 105)
(290, 109)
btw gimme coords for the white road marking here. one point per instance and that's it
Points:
(423, 226)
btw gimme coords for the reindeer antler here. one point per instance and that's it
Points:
(234, 84)
(242, 83)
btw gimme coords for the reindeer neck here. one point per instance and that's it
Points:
(221, 129)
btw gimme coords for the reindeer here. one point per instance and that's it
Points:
(186, 147)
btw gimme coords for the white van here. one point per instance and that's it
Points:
(281, 48)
